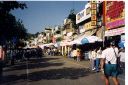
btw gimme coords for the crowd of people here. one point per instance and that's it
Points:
(52, 51)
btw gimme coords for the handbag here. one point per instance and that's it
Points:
(120, 71)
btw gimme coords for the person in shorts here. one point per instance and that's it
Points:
(109, 63)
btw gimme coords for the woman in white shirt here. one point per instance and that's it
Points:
(93, 58)
(98, 56)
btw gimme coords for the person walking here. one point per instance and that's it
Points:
(93, 59)
(98, 56)
(78, 54)
(109, 63)
(74, 54)
(122, 59)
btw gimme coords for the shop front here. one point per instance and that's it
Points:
(116, 35)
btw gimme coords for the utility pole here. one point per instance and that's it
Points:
(103, 21)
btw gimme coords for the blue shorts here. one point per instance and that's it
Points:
(111, 70)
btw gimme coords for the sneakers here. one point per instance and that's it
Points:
(93, 69)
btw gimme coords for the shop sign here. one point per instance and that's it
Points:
(88, 11)
(93, 13)
(114, 32)
(93, 18)
(84, 14)
(114, 14)
(93, 23)
(80, 15)
(115, 24)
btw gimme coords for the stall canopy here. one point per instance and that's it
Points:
(85, 39)
(46, 45)
(90, 39)
(57, 44)
(64, 43)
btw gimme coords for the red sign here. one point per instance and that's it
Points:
(114, 9)
(114, 14)
(115, 23)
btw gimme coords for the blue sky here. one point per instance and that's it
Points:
(41, 14)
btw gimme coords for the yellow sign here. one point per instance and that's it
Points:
(93, 5)
(93, 17)
(93, 23)
(93, 12)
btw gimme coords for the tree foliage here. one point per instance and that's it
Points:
(9, 26)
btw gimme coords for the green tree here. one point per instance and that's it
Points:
(9, 27)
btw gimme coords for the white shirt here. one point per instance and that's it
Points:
(99, 52)
(109, 55)
(74, 53)
(93, 55)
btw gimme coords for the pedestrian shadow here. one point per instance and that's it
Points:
(51, 74)
(11, 79)
(63, 73)
(34, 63)
(44, 59)
(33, 66)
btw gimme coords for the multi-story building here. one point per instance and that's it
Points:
(68, 29)
(49, 34)
(87, 21)
(57, 34)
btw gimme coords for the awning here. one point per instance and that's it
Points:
(85, 40)
(78, 39)
(64, 43)
(90, 39)
(57, 44)
(47, 45)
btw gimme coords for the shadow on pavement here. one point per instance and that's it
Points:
(34, 63)
(52, 74)
(44, 59)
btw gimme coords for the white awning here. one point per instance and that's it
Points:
(89, 39)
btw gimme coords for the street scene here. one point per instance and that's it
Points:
(53, 70)
(62, 42)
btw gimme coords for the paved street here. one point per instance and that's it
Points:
(52, 70)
